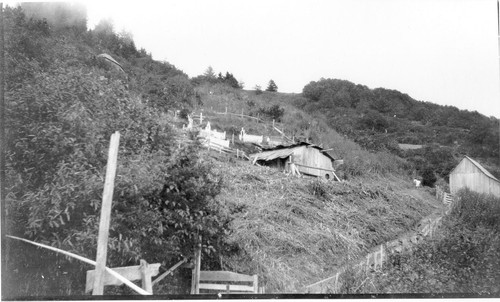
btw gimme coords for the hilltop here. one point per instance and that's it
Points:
(64, 100)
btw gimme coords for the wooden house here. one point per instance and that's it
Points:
(469, 173)
(308, 159)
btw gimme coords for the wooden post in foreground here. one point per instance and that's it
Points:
(146, 277)
(195, 285)
(107, 198)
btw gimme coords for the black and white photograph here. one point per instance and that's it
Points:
(237, 149)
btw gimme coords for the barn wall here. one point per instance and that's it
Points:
(314, 158)
(278, 163)
(466, 174)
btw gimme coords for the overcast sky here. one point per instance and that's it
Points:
(441, 51)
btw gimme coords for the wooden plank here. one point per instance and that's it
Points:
(255, 283)
(195, 289)
(131, 273)
(146, 277)
(223, 287)
(169, 271)
(91, 262)
(107, 197)
(224, 276)
(329, 170)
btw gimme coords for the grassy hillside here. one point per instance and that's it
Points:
(462, 258)
(296, 231)
(295, 123)
(292, 231)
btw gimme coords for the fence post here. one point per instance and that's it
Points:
(195, 288)
(146, 277)
(232, 139)
(201, 118)
(107, 199)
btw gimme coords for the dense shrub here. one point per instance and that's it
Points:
(60, 115)
(274, 112)
(428, 177)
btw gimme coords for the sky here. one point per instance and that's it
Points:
(441, 51)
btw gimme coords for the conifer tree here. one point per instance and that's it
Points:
(272, 86)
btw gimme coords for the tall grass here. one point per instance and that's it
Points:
(293, 232)
(464, 257)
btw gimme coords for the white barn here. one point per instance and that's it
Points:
(469, 173)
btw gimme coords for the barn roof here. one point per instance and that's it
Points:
(475, 163)
(273, 154)
(283, 151)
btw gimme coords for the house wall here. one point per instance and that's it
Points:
(466, 174)
(309, 156)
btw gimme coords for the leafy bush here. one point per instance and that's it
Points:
(61, 112)
(428, 177)
(274, 112)
(317, 188)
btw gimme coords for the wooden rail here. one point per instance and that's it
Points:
(328, 170)
(315, 168)
(91, 262)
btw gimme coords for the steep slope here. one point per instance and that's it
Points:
(461, 258)
(296, 231)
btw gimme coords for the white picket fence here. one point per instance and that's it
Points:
(248, 138)
(216, 142)
(208, 132)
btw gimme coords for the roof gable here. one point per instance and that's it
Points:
(481, 168)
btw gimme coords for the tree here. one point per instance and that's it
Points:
(209, 73)
(258, 89)
(272, 87)
(231, 80)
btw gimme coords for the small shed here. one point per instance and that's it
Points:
(308, 158)
(469, 173)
